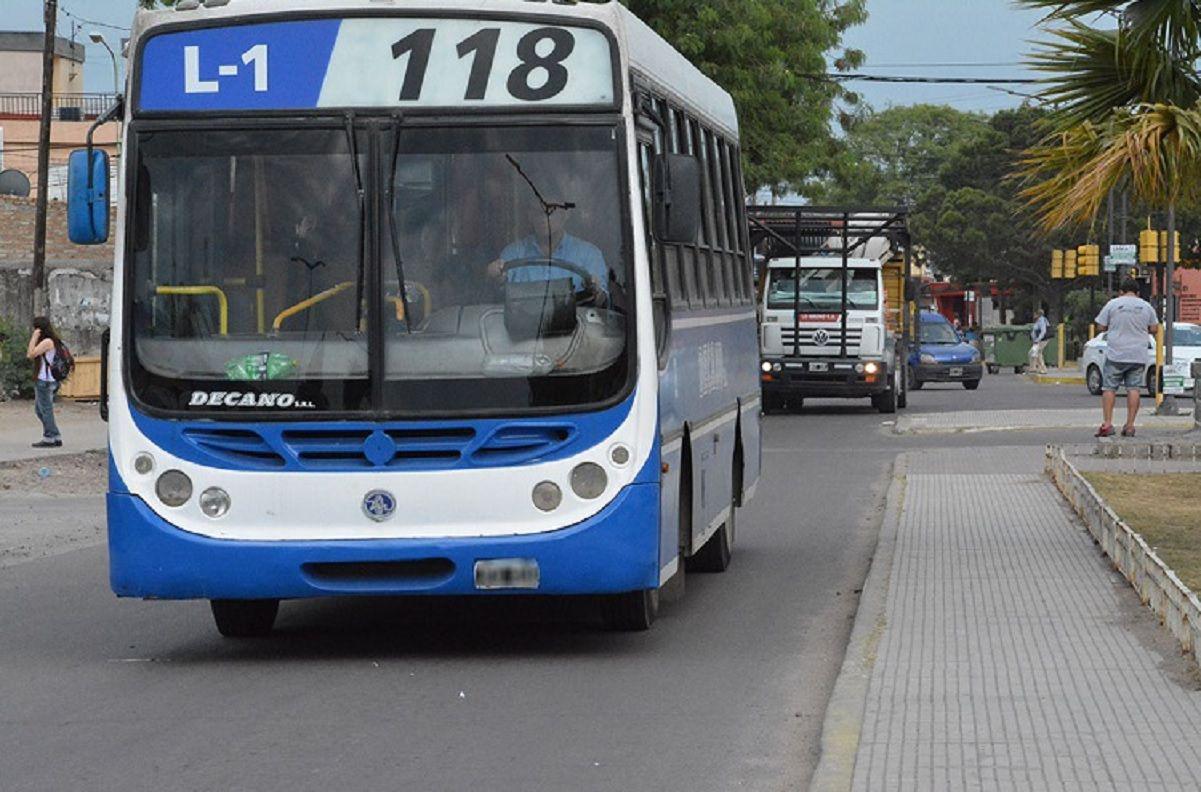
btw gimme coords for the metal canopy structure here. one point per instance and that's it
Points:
(798, 231)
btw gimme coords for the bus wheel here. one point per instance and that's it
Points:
(633, 611)
(245, 618)
(714, 555)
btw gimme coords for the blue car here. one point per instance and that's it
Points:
(942, 355)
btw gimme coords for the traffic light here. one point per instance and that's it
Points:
(1148, 246)
(1056, 264)
(1088, 260)
(1069, 264)
(1153, 246)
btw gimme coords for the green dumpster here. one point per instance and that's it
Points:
(1008, 346)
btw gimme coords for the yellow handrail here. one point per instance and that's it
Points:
(426, 302)
(304, 305)
(202, 291)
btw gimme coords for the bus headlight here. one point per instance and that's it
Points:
(143, 463)
(547, 496)
(173, 488)
(588, 480)
(214, 502)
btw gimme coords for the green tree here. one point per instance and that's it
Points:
(894, 156)
(766, 53)
(1128, 109)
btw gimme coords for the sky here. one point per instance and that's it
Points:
(922, 32)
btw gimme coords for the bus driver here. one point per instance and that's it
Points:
(548, 233)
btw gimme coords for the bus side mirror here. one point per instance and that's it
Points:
(677, 191)
(87, 197)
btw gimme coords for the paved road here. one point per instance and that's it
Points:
(727, 691)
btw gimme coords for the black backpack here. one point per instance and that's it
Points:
(63, 363)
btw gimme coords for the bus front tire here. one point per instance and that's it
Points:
(633, 611)
(244, 618)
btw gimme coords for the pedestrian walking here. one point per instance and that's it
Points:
(1126, 320)
(44, 347)
(1039, 336)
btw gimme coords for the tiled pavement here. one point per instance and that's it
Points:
(1011, 656)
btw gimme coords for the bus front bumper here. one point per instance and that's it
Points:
(615, 551)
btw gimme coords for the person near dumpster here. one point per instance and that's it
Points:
(1126, 320)
(1039, 336)
(44, 346)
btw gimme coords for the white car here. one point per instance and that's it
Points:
(1186, 348)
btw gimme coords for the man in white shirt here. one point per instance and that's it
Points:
(1126, 320)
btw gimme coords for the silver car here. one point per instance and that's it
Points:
(1186, 349)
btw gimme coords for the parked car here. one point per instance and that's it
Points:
(942, 355)
(1186, 348)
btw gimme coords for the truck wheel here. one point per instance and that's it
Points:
(885, 402)
(244, 618)
(772, 403)
(633, 611)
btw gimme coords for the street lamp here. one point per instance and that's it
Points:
(97, 38)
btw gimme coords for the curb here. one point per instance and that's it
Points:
(843, 722)
(1041, 379)
(1158, 587)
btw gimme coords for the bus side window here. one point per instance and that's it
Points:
(654, 250)
(705, 257)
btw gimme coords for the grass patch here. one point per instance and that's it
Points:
(1163, 508)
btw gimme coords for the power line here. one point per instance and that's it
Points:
(943, 65)
(885, 78)
(92, 22)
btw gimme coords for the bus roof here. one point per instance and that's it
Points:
(643, 51)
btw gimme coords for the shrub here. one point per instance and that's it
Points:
(15, 378)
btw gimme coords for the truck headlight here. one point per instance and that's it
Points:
(871, 367)
(766, 367)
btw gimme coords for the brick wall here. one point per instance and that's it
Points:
(16, 234)
(79, 279)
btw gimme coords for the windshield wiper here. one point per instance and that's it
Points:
(390, 194)
(547, 206)
(360, 272)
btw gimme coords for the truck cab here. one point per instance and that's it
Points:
(814, 344)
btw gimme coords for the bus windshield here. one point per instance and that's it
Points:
(257, 269)
(821, 289)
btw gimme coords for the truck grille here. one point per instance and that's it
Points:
(810, 337)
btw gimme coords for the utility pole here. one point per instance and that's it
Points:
(1109, 248)
(38, 275)
(1168, 405)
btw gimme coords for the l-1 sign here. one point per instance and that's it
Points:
(375, 62)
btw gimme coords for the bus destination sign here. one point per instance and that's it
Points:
(375, 62)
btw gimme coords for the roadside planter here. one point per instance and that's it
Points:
(1157, 585)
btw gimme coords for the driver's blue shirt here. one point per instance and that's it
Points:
(570, 249)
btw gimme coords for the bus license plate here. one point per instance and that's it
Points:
(819, 366)
(956, 372)
(507, 573)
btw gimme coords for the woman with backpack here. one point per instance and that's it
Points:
(44, 347)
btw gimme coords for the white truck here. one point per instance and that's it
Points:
(833, 316)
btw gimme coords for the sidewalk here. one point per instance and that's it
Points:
(1009, 420)
(996, 649)
(80, 425)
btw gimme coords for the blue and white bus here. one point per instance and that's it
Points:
(421, 298)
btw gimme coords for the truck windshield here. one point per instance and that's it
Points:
(253, 283)
(821, 289)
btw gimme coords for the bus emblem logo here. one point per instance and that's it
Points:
(379, 505)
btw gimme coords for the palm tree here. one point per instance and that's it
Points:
(1127, 101)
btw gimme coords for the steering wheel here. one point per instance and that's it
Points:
(583, 297)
